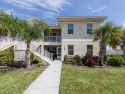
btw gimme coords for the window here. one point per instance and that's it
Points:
(52, 50)
(89, 28)
(70, 49)
(90, 49)
(70, 28)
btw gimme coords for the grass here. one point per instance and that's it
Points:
(76, 80)
(15, 82)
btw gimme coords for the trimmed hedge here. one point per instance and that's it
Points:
(75, 60)
(115, 60)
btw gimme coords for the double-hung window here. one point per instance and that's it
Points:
(90, 49)
(70, 49)
(89, 28)
(70, 28)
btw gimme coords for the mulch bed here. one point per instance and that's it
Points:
(97, 66)
(33, 67)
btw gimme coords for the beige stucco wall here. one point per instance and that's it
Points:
(51, 43)
(80, 30)
(80, 39)
(80, 47)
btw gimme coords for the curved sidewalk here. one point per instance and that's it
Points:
(48, 82)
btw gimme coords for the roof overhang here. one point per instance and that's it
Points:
(81, 18)
(55, 26)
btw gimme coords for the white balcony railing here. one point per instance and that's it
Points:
(52, 38)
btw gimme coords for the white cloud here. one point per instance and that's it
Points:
(123, 25)
(93, 10)
(90, 8)
(52, 7)
(9, 11)
(24, 16)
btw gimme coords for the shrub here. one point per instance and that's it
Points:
(32, 58)
(40, 63)
(66, 58)
(6, 61)
(35, 61)
(72, 60)
(116, 60)
(7, 57)
(77, 59)
(19, 64)
(83, 60)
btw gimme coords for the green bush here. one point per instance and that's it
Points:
(40, 63)
(72, 60)
(7, 57)
(77, 59)
(6, 61)
(83, 60)
(116, 60)
(18, 64)
(66, 58)
(32, 58)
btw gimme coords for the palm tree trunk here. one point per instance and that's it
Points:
(123, 45)
(28, 55)
(105, 54)
(124, 49)
(102, 52)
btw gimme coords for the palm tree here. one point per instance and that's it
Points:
(8, 24)
(107, 34)
(31, 30)
(26, 30)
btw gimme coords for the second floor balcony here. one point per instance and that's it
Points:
(52, 38)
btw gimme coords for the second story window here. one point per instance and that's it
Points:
(89, 28)
(70, 28)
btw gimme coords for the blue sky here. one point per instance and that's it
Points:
(48, 10)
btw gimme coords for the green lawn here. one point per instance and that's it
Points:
(75, 80)
(15, 82)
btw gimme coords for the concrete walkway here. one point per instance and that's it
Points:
(48, 82)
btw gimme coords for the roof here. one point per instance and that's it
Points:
(81, 18)
(56, 26)
(33, 20)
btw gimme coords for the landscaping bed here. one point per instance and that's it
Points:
(94, 61)
(105, 80)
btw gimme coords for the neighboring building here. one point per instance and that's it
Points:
(71, 36)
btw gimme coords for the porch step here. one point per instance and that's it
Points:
(43, 58)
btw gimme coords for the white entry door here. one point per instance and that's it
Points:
(58, 52)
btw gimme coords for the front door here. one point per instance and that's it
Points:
(59, 52)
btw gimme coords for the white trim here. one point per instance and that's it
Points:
(58, 53)
(72, 40)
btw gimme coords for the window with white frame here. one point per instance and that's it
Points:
(90, 49)
(89, 28)
(70, 49)
(70, 28)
